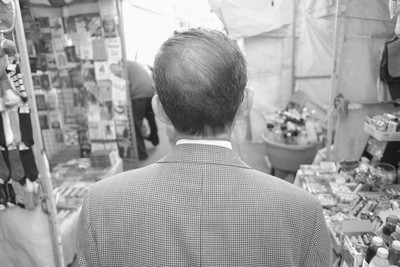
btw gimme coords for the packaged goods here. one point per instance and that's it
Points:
(389, 228)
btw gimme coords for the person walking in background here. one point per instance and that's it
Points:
(201, 205)
(141, 85)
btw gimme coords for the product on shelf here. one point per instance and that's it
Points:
(389, 228)
(293, 128)
(384, 127)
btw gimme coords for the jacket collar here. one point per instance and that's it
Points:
(202, 153)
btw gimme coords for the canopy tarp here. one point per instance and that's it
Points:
(54, 3)
(364, 27)
(266, 27)
(246, 18)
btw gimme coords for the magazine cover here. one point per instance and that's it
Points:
(95, 131)
(108, 128)
(70, 136)
(44, 122)
(99, 49)
(109, 18)
(114, 49)
(105, 91)
(36, 81)
(45, 81)
(61, 60)
(51, 61)
(102, 70)
(55, 120)
(86, 49)
(56, 27)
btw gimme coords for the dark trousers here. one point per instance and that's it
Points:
(142, 109)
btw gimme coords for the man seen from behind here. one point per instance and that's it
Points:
(201, 205)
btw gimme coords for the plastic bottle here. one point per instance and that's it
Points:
(394, 253)
(278, 136)
(395, 235)
(317, 123)
(389, 228)
(376, 243)
(381, 258)
(311, 132)
(302, 138)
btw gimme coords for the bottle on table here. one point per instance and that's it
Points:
(380, 259)
(302, 138)
(395, 235)
(376, 243)
(389, 228)
(394, 253)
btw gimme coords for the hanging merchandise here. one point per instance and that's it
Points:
(12, 97)
(390, 67)
(394, 9)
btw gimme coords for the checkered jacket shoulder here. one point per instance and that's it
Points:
(201, 206)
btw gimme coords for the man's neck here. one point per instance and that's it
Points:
(222, 137)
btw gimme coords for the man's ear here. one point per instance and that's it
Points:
(159, 110)
(247, 103)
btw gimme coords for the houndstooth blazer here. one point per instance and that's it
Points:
(201, 205)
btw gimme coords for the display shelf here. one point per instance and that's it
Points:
(381, 136)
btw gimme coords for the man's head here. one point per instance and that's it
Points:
(200, 78)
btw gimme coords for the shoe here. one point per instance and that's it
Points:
(155, 141)
(143, 157)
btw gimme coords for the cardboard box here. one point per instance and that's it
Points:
(352, 255)
(381, 136)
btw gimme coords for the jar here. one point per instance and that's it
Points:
(383, 173)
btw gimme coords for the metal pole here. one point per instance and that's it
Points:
(128, 92)
(336, 53)
(38, 147)
(293, 72)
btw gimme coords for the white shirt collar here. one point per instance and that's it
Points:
(222, 143)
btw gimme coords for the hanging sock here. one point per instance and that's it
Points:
(29, 164)
(25, 126)
(2, 105)
(29, 189)
(16, 168)
(19, 194)
(2, 136)
(11, 99)
(14, 122)
(10, 96)
(11, 202)
(3, 196)
(4, 171)
(9, 136)
(14, 72)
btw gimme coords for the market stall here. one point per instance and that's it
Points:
(70, 61)
(346, 62)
